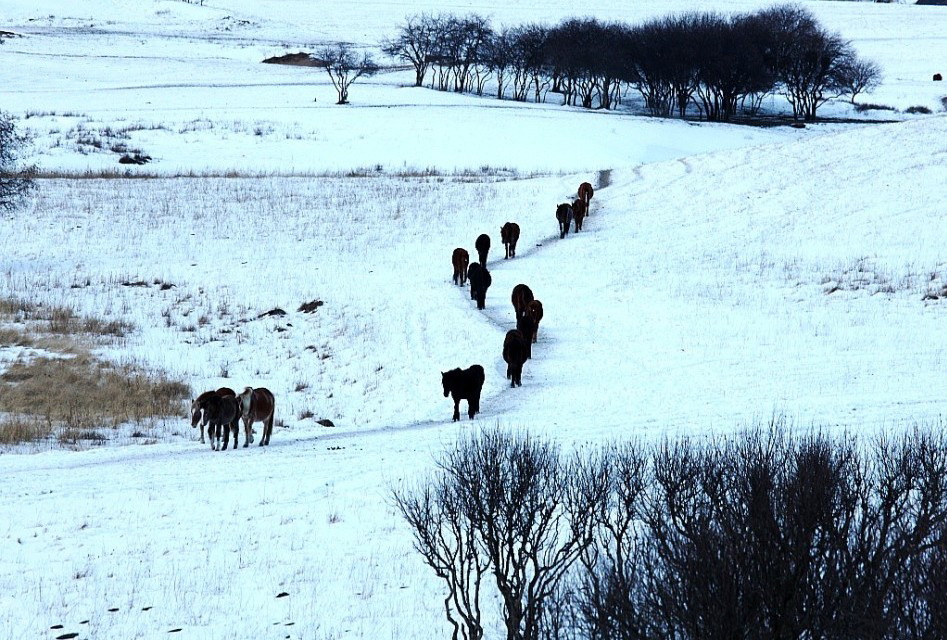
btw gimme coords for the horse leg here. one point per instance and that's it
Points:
(456, 409)
(247, 433)
(268, 431)
(473, 405)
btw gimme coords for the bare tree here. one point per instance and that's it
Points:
(344, 67)
(15, 182)
(534, 512)
(415, 44)
(857, 75)
(445, 536)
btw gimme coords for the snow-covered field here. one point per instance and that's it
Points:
(726, 275)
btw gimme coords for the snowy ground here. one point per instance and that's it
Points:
(726, 275)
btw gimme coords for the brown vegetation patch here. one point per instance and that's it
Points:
(58, 320)
(82, 392)
(310, 307)
(67, 392)
(300, 59)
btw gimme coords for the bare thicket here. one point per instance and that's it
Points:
(700, 62)
(525, 511)
(15, 181)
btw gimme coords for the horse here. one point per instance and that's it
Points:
(464, 384)
(564, 216)
(256, 405)
(483, 248)
(480, 281)
(509, 234)
(527, 326)
(222, 415)
(197, 412)
(585, 195)
(460, 260)
(535, 311)
(521, 296)
(515, 354)
(579, 211)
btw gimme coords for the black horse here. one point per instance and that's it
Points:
(515, 353)
(222, 414)
(464, 384)
(526, 326)
(480, 281)
(483, 248)
(564, 216)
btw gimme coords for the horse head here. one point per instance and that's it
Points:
(196, 410)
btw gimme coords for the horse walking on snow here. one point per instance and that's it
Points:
(199, 416)
(515, 348)
(483, 248)
(256, 405)
(509, 234)
(464, 384)
(585, 195)
(460, 258)
(579, 211)
(564, 216)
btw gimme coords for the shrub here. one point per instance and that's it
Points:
(918, 109)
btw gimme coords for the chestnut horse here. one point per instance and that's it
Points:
(464, 384)
(579, 211)
(521, 296)
(257, 405)
(585, 195)
(564, 216)
(535, 311)
(483, 248)
(197, 411)
(515, 354)
(460, 259)
(509, 234)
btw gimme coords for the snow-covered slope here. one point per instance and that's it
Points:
(726, 275)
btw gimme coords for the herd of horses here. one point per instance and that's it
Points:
(467, 384)
(221, 411)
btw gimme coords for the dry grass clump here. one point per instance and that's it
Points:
(60, 320)
(65, 391)
(19, 429)
(81, 393)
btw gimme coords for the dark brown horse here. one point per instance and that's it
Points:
(480, 281)
(460, 259)
(257, 405)
(535, 311)
(564, 217)
(585, 195)
(197, 412)
(222, 416)
(521, 296)
(579, 209)
(509, 234)
(464, 384)
(526, 326)
(515, 349)
(483, 248)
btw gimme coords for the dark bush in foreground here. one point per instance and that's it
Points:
(749, 536)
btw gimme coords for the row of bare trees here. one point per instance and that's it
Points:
(756, 536)
(704, 62)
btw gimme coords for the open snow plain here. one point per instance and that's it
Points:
(726, 275)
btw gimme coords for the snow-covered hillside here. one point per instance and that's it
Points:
(726, 275)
